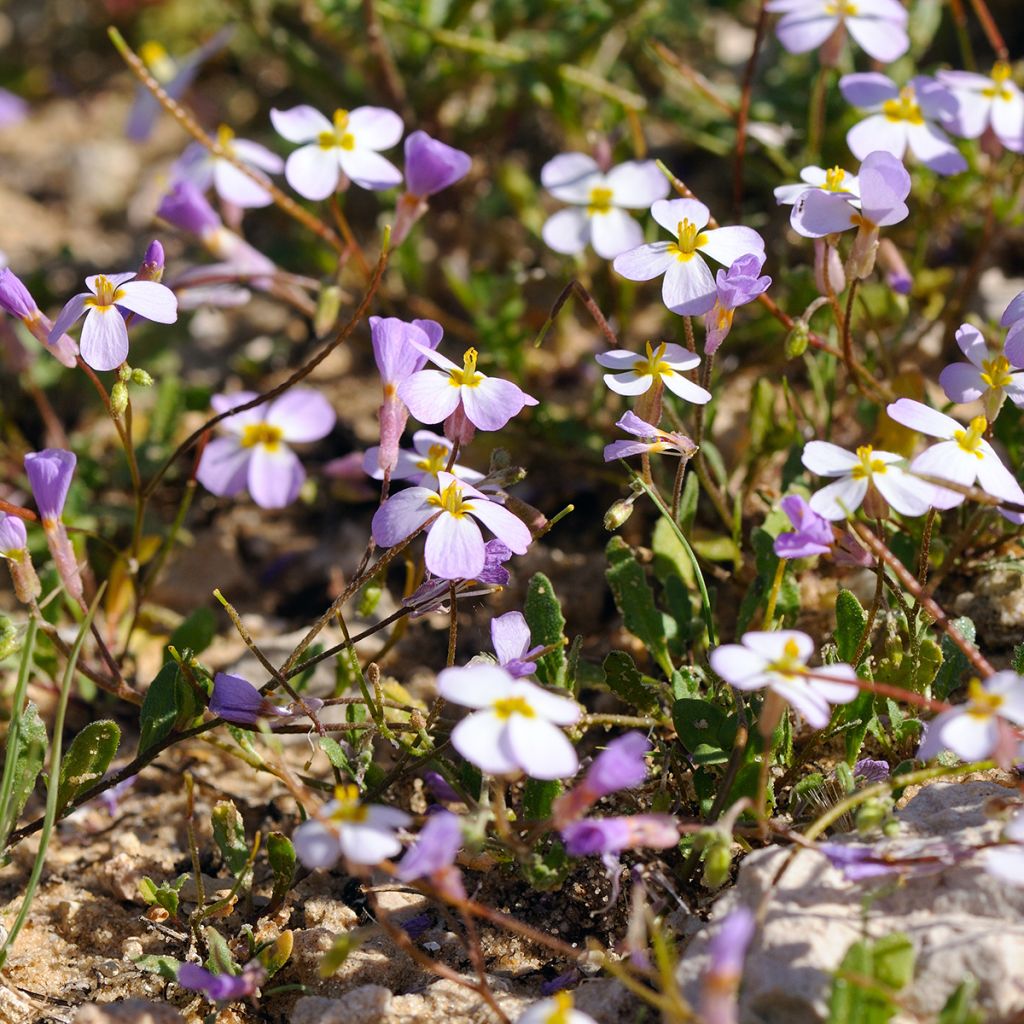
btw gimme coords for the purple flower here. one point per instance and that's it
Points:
(487, 403)
(621, 765)
(398, 350)
(879, 27)
(16, 300)
(431, 166)
(652, 439)
(14, 551)
(740, 284)
(455, 547)
(435, 849)
(897, 273)
(187, 208)
(813, 533)
(13, 536)
(721, 978)
(439, 788)
(222, 987)
(510, 636)
(986, 375)
(433, 593)
(13, 109)
(869, 770)
(49, 475)
(203, 168)
(858, 862)
(611, 835)
(152, 268)
(236, 700)
(256, 454)
(104, 333)
(903, 118)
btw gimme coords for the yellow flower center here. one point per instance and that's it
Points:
(970, 439)
(349, 808)
(1001, 74)
(563, 1008)
(435, 460)
(981, 703)
(339, 137)
(106, 294)
(451, 500)
(834, 178)
(226, 139)
(467, 377)
(867, 464)
(265, 434)
(689, 239)
(600, 201)
(995, 372)
(158, 60)
(844, 8)
(653, 365)
(905, 108)
(789, 664)
(506, 707)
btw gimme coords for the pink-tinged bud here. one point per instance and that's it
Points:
(15, 298)
(64, 559)
(897, 273)
(828, 268)
(152, 268)
(458, 428)
(611, 835)
(14, 550)
(393, 417)
(721, 980)
(861, 260)
(409, 210)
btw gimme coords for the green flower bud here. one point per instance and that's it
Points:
(124, 372)
(619, 513)
(717, 864)
(873, 814)
(797, 339)
(142, 379)
(119, 398)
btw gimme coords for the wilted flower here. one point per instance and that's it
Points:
(811, 535)
(857, 473)
(222, 987)
(688, 287)
(963, 457)
(978, 729)
(599, 203)
(347, 144)
(361, 833)
(986, 375)
(870, 770)
(203, 168)
(636, 374)
(49, 475)
(651, 439)
(735, 287)
(516, 727)
(987, 101)
(720, 982)
(902, 118)
(433, 594)
(620, 765)
(430, 167)
(557, 1010)
(255, 456)
(613, 835)
(879, 27)
(429, 456)
(778, 661)
(104, 341)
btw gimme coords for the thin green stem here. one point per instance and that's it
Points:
(14, 732)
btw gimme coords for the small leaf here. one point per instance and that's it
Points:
(626, 682)
(29, 762)
(960, 1007)
(343, 946)
(229, 835)
(160, 707)
(277, 954)
(196, 633)
(953, 661)
(281, 855)
(220, 960)
(86, 760)
(335, 754)
(538, 796)
(870, 974)
(155, 963)
(635, 600)
(547, 626)
(851, 620)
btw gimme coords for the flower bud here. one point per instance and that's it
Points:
(327, 306)
(142, 379)
(797, 339)
(619, 513)
(119, 398)
(717, 863)
(872, 814)
(124, 372)
(152, 268)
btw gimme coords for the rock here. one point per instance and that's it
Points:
(455, 1004)
(961, 920)
(128, 1011)
(368, 1004)
(996, 604)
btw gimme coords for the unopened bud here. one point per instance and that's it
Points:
(142, 379)
(797, 340)
(119, 398)
(124, 372)
(618, 513)
(152, 268)
(327, 306)
(23, 575)
(717, 864)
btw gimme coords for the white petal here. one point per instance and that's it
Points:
(670, 213)
(877, 133)
(375, 127)
(920, 417)
(149, 299)
(739, 666)
(827, 459)
(840, 499)
(541, 749)
(614, 233)
(303, 414)
(969, 736)
(237, 187)
(275, 476)
(772, 644)
(686, 389)
(567, 231)
(727, 245)
(551, 706)
(368, 169)
(299, 124)
(637, 184)
(475, 686)
(628, 383)
(478, 738)
(104, 341)
(688, 288)
(644, 262)
(571, 176)
(313, 172)
(363, 845)
(454, 548)
(908, 495)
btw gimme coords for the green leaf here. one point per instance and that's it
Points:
(547, 626)
(196, 633)
(343, 946)
(851, 619)
(870, 974)
(686, 682)
(538, 796)
(335, 754)
(855, 719)
(220, 960)
(281, 855)
(229, 835)
(626, 682)
(953, 661)
(88, 757)
(635, 600)
(700, 723)
(155, 963)
(960, 1007)
(276, 954)
(168, 696)
(29, 762)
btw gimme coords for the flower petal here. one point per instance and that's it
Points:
(637, 184)
(454, 548)
(688, 288)
(430, 395)
(303, 414)
(224, 467)
(840, 499)
(503, 524)
(962, 382)
(686, 389)
(474, 686)
(882, 39)
(920, 417)
(877, 132)
(313, 172)
(628, 383)
(478, 738)
(149, 299)
(541, 749)
(493, 402)
(567, 231)
(571, 176)
(401, 515)
(868, 89)
(907, 494)
(375, 127)
(237, 187)
(104, 341)
(614, 233)
(369, 169)
(73, 309)
(739, 666)
(827, 459)
(670, 213)
(299, 124)
(510, 636)
(727, 245)
(645, 262)
(275, 476)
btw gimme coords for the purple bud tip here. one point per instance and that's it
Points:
(431, 166)
(186, 207)
(236, 700)
(620, 765)
(49, 475)
(14, 296)
(13, 536)
(155, 254)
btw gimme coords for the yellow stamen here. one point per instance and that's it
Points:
(844, 8)
(981, 703)
(1001, 74)
(339, 136)
(451, 500)
(689, 239)
(466, 377)
(349, 808)
(654, 365)
(106, 294)
(834, 178)
(563, 1008)
(970, 439)
(600, 201)
(506, 707)
(905, 108)
(265, 434)
(789, 664)
(225, 138)
(435, 460)
(158, 60)
(867, 464)
(995, 372)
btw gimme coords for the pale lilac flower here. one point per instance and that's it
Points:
(599, 203)
(856, 473)
(515, 728)
(858, 862)
(49, 475)
(688, 287)
(778, 661)
(236, 700)
(621, 765)
(879, 27)
(14, 551)
(222, 987)
(13, 109)
(975, 731)
(361, 833)
(455, 547)
(903, 118)
(986, 376)
(735, 287)
(963, 457)
(255, 454)
(429, 456)
(174, 76)
(636, 374)
(13, 536)
(557, 1010)
(398, 351)
(430, 167)
(433, 855)
(510, 637)
(818, 179)
(1006, 861)
(17, 301)
(720, 981)
(104, 340)
(459, 394)
(205, 169)
(348, 145)
(613, 835)
(1013, 318)
(870, 770)
(811, 535)
(652, 440)
(987, 101)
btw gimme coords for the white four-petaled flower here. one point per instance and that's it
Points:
(975, 730)
(635, 374)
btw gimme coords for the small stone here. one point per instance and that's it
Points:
(368, 1004)
(128, 1011)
